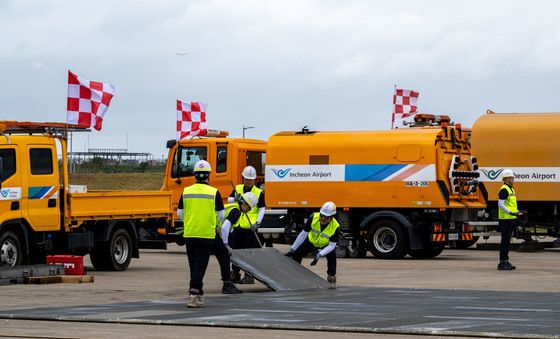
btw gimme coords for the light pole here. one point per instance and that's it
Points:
(246, 128)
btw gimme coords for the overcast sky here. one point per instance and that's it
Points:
(276, 65)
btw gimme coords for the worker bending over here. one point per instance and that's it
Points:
(233, 214)
(244, 235)
(320, 234)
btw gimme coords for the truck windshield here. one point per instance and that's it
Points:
(189, 156)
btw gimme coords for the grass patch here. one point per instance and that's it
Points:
(119, 181)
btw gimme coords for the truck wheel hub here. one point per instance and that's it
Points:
(385, 239)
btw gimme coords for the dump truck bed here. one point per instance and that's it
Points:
(118, 204)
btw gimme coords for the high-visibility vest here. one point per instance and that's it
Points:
(250, 218)
(199, 217)
(320, 238)
(510, 202)
(228, 209)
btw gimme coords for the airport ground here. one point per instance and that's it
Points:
(163, 275)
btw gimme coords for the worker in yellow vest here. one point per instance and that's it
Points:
(244, 235)
(201, 209)
(508, 216)
(233, 214)
(320, 234)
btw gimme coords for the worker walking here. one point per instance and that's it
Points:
(320, 234)
(201, 208)
(233, 213)
(508, 216)
(244, 234)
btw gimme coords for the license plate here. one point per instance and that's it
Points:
(453, 236)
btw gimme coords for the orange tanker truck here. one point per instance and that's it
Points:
(528, 144)
(398, 192)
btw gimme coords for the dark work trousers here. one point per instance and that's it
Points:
(307, 247)
(506, 229)
(243, 238)
(198, 254)
(221, 253)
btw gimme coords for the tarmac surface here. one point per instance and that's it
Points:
(460, 293)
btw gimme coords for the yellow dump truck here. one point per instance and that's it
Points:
(397, 192)
(528, 144)
(40, 213)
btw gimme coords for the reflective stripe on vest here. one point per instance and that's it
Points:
(199, 218)
(228, 209)
(320, 238)
(253, 214)
(510, 203)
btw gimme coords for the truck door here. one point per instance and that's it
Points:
(222, 178)
(43, 206)
(182, 172)
(11, 191)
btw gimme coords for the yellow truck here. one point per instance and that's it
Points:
(40, 213)
(404, 191)
(528, 144)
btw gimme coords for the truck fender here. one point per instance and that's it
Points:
(18, 225)
(414, 237)
(103, 234)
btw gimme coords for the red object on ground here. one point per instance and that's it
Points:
(73, 264)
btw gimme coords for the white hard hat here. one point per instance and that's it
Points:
(507, 173)
(202, 166)
(251, 199)
(249, 172)
(328, 209)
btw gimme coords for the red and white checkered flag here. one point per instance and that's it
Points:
(405, 101)
(191, 119)
(88, 101)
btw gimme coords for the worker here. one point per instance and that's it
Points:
(233, 213)
(320, 234)
(201, 208)
(245, 234)
(508, 215)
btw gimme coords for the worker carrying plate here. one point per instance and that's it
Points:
(320, 234)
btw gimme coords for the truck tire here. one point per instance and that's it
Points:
(387, 239)
(431, 252)
(114, 255)
(11, 252)
(463, 244)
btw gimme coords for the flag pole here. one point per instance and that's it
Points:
(393, 115)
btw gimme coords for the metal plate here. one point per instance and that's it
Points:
(277, 271)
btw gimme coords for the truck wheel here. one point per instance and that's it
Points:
(463, 244)
(387, 240)
(120, 247)
(11, 252)
(426, 253)
(114, 255)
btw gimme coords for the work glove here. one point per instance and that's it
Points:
(255, 227)
(237, 197)
(290, 253)
(229, 250)
(317, 257)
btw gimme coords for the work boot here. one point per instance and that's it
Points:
(331, 279)
(229, 288)
(235, 277)
(195, 301)
(247, 280)
(505, 266)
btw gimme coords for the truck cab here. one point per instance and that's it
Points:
(227, 157)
